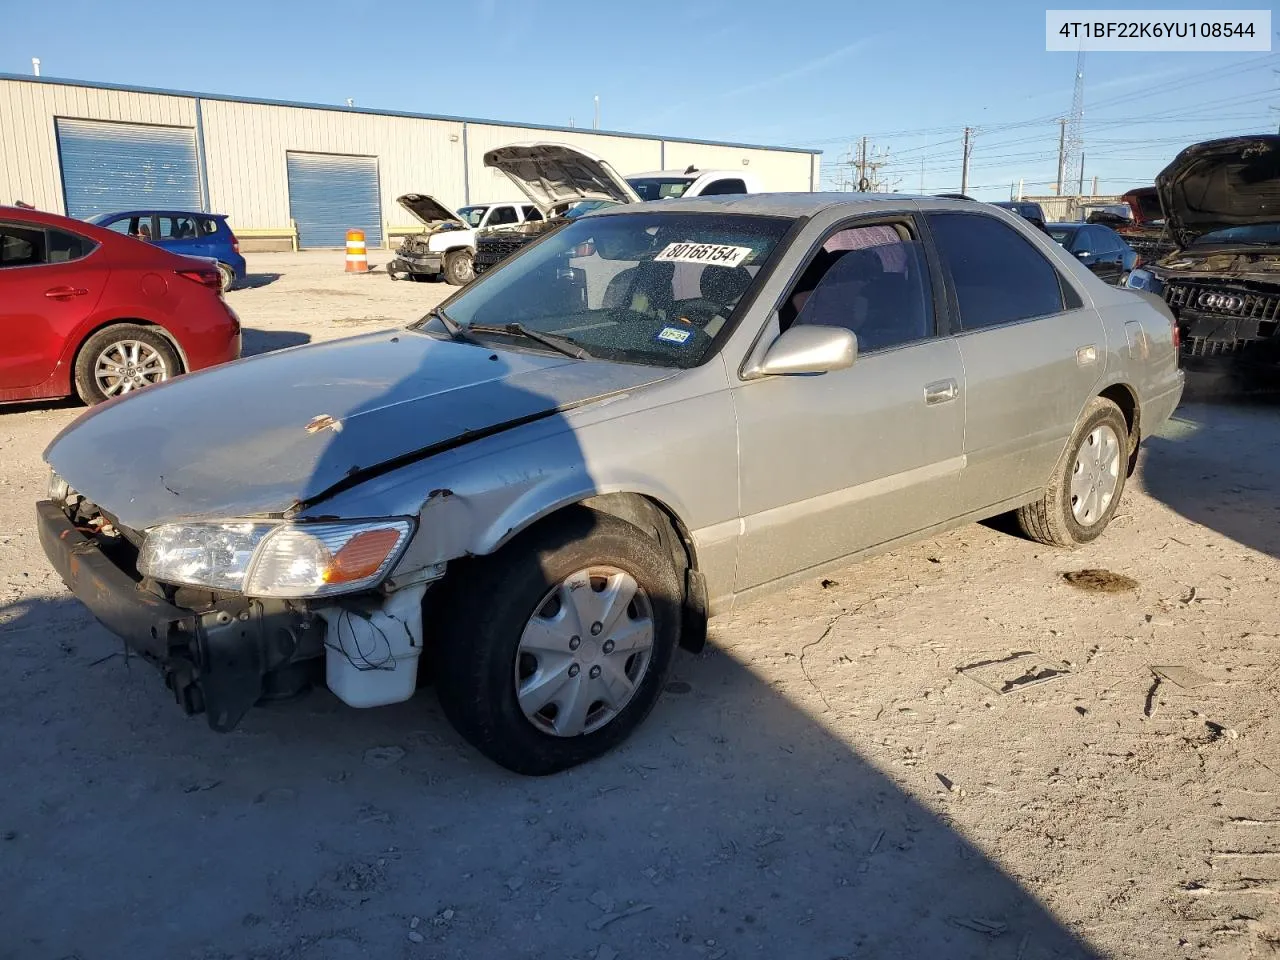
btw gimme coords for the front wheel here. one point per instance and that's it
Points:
(458, 267)
(556, 648)
(121, 359)
(1084, 492)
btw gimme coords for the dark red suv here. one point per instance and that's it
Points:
(87, 311)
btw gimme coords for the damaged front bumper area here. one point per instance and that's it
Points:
(415, 263)
(220, 659)
(1231, 323)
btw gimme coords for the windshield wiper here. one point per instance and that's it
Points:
(561, 344)
(456, 330)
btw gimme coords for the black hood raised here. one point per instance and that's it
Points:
(1221, 183)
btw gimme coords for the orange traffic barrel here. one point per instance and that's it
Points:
(357, 255)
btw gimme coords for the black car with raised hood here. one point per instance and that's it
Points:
(1221, 203)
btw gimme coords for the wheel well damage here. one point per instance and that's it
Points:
(1122, 396)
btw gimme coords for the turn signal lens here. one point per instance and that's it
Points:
(362, 557)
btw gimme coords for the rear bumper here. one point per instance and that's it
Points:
(218, 661)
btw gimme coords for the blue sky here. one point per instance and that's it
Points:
(909, 75)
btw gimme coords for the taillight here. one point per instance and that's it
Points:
(206, 278)
(235, 243)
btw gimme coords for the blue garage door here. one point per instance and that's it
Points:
(329, 195)
(124, 166)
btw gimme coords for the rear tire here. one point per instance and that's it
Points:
(228, 277)
(504, 612)
(1085, 489)
(458, 267)
(123, 358)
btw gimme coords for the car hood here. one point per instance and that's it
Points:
(429, 210)
(1144, 202)
(553, 174)
(261, 436)
(1221, 183)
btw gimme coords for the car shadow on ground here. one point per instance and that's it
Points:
(265, 341)
(254, 280)
(732, 823)
(1215, 463)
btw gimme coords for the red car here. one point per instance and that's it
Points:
(87, 311)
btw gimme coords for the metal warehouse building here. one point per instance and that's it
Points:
(294, 174)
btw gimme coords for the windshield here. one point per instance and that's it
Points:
(1062, 234)
(472, 215)
(660, 188)
(1254, 234)
(648, 288)
(586, 206)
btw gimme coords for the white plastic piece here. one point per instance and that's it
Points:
(372, 659)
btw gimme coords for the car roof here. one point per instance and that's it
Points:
(799, 204)
(163, 212)
(681, 174)
(1072, 225)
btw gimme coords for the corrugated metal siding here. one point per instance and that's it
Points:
(329, 195)
(110, 166)
(29, 167)
(487, 185)
(245, 146)
(784, 172)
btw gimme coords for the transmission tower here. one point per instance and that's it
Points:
(1075, 133)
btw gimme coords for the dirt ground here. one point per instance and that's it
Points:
(824, 782)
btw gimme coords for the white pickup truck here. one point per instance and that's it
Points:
(447, 243)
(564, 181)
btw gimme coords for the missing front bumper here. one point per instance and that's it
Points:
(219, 661)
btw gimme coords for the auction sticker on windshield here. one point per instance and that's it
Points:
(719, 254)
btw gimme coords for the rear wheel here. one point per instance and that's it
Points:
(228, 277)
(458, 269)
(121, 359)
(556, 648)
(1084, 492)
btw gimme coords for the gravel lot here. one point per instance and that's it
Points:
(822, 783)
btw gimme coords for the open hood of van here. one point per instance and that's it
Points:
(555, 174)
(1218, 184)
(428, 209)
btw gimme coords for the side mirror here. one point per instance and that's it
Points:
(808, 350)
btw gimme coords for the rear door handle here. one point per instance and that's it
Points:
(65, 293)
(941, 391)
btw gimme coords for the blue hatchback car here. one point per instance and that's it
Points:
(191, 234)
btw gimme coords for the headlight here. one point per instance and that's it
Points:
(275, 559)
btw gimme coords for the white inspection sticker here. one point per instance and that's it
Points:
(717, 253)
(673, 335)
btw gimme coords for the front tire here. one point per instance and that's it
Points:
(556, 648)
(459, 268)
(121, 359)
(1084, 492)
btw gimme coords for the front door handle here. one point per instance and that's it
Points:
(64, 293)
(941, 391)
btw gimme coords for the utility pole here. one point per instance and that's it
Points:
(1095, 185)
(862, 165)
(1062, 154)
(1081, 193)
(922, 175)
(964, 170)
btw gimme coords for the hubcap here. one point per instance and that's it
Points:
(584, 652)
(1095, 476)
(127, 365)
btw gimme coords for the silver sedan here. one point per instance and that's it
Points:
(547, 486)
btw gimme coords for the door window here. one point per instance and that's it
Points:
(500, 216)
(871, 280)
(207, 227)
(721, 188)
(26, 246)
(177, 228)
(997, 275)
